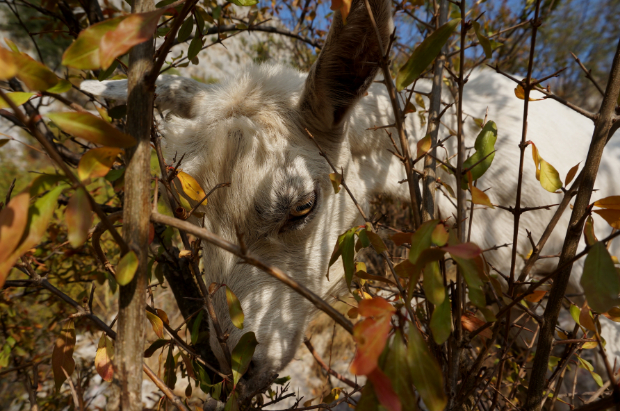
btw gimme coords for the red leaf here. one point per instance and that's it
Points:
(371, 336)
(464, 250)
(384, 390)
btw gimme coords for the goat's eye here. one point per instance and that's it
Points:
(304, 206)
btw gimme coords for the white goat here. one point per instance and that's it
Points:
(249, 130)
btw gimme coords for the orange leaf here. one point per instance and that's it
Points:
(571, 174)
(423, 146)
(13, 220)
(480, 197)
(377, 307)
(62, 356)
(472, 323)
(344, 6)
(371, 336)
(384, 390)
(8, 68)
(135, 29)
(536, 296)
(402, 238)
(156, 323)
(612, 203)
(611, 216)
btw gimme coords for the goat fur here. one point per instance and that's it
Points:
(249, 130)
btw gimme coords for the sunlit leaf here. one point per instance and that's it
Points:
(441, 322)
(234, 309)
(423, 146)
(156, 323)
(480, 197)
(97, 162)
(336, 179)
(18, 98)
(244, 3)
(344, 6)
(79, 217)
(377, 307)
(482, 159)
(133, 30)
(162, 314)
(62, 356)
(520, 93)
(91, 128)
(34, 74)
(62, 87)
(545, 173)
(126, 268)
(426, 373)
(600, 281)
(191, 187)
(575, 312)
(242, 355)
(585, 318)
(83, 54)
(103, 358)
(424, 54)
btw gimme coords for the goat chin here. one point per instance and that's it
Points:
(250, 130)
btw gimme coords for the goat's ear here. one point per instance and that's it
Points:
(346, 66)
(175, 95)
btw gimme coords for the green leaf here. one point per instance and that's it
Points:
(83, 54)
(157, 344)
(368, 401)
(170, 375)
(232, 404)
(575, 312)
(600, 281)
(421, 239)
(62, 87)
(196, 327)
(186, 30)
(234, 309)
(433, 284)
(484, 145)
(348, 255)
(376, 242)
(91, 128)
(441, 322)
(242, 355)
(104, 74)
(194, 47)
(426, 373)
(18, 98)
(484, 41)
(126, 268)
(400, 373)
(244, 3)
(424, 54)
(79, 217)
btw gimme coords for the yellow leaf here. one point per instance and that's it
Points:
(191, 187)
(336, 179)
(344, 6)
(234, 309)
(480, 197)
(97, 162)
(126, 268)
(8, 68)
(103, 358)
(423, 146)
(79, 217)
(18, 98)
(520, 93)
(156, 323)
(536, 296)
(549, 177)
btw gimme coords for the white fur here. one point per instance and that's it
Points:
(247, 131)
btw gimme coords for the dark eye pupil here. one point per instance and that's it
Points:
(304, 207)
